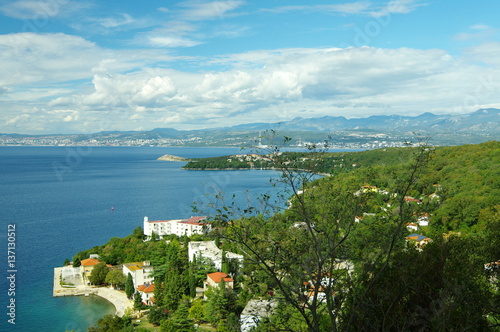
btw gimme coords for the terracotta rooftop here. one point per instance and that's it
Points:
(219, 276)
(193, 220)
(147, 288)
(90, 262)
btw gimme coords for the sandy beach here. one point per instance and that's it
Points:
(116, 297)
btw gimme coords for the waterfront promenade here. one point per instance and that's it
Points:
(117, 298)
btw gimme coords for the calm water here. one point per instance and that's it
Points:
(61, 199)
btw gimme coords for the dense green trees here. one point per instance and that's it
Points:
(336, 258)
(442, 288)
(332, 273)
(129, 286)
(112, 323)
(172, 278)
(77, 262)
(98, 274)
(116, 278)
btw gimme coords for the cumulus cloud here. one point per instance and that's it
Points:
(274, 85)
(29, 57)
(326, 81)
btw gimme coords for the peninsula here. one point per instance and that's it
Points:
(169, 157)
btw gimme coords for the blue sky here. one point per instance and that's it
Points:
(80, 67)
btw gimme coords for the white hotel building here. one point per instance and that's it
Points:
(208, 249)
(179, 227)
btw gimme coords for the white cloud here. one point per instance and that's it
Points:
(173, 34)
(156, 88)
(356, 8)
(18, 119)
(398, 7)
(486, 53)
(29, 57)
(265, 85)
(41, 9)
(171, 41)
(202, 10)
(480, 26)
(359, 7)
(113, 22)
(354, 80)
(479, 32)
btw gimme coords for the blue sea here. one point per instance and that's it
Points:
(66, 199)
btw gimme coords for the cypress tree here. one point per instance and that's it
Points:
(129, 286)
(180, 319)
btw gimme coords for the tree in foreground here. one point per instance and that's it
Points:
(180, 319)
(307, 257)
(217, 302)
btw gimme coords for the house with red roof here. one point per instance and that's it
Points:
(179, 227)
(86, 267)
(147, 292)
(418, 240)
(409, 199)
(214, 279)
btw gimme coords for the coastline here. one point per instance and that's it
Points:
(117, 298)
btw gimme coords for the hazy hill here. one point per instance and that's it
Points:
(482, 120)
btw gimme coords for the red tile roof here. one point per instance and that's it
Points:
(147, 288)
(90, 262)
(193, 220)
(219, 276)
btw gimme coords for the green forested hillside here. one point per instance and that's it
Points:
(340, 256)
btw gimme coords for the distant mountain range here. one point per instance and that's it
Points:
(483, 120)
(480, 126)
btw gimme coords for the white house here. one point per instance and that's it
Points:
(208, 249)
(215, 278)
(423, 219)
(179, 227)
(147, 292)
(140, 271)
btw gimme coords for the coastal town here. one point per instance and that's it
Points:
(357, 140)
(72, 280)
